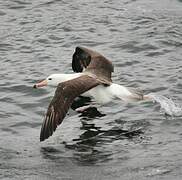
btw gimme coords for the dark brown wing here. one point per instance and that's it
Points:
(65, 93)
(93, 62)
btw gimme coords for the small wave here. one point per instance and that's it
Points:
(167, 104)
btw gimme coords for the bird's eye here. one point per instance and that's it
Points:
(50, 79)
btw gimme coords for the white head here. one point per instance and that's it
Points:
(52, 80)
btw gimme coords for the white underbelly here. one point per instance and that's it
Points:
(101, 94)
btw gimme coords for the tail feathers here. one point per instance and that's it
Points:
(127, 94)
(148, 97)
(166, 104)
(136, 94)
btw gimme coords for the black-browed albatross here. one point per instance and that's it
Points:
(92, 78)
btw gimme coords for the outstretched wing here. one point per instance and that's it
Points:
(92, 62)
(65, 93)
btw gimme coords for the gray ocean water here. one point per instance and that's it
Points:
(122, 141)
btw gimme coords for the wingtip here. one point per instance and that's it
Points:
(42, 139)
(44, 134)
(47, 130)
(77, 48)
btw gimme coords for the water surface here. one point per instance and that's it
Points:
(142, 38)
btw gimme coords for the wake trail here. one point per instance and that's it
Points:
(167, 104)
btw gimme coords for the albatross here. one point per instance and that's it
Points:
(92, 78)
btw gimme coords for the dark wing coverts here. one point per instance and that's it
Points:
(65, 93)
(97, 70)
(92, 62)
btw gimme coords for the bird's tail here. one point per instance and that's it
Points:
(167, 105)
(134, 94)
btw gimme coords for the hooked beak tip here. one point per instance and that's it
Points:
(34, 86)
(40, 84)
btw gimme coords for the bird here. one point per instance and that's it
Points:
(92, 77)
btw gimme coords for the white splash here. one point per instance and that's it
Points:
(167, 104)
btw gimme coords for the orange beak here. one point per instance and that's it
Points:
(40, 84)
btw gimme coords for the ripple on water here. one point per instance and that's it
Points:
(2, 13)
(6, 47)
(132, 141)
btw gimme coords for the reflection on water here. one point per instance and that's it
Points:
(133, 141)
(88, 147)
(91, 112)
